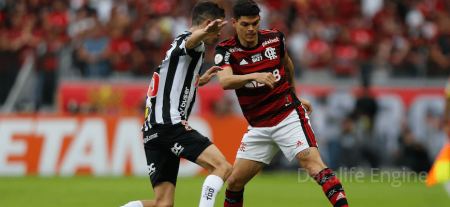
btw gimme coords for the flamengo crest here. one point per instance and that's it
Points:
(270, 53)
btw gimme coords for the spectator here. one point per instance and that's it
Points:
(412, 154)
(93, 53)
(365, 110)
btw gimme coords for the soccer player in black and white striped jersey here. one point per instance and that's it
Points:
(171, 95)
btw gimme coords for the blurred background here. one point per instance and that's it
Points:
(74, 74)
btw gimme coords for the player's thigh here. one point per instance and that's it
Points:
(211, 158)
(257, 145)
(162, 164)
(293, 135)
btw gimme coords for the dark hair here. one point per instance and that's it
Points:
(206, 10)
(245, 8)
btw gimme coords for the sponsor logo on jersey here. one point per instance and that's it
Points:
(218, 58)
(243, 62)
(150, 137)
(177, 149)
(236, 49)
(276, 39)
(270, 53)
(184, 102)
(227, 58)
(256, 58)
(151, 169)
(254, 84)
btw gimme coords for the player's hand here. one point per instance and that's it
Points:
(265, 78)
(307, 105)
(215, 26)
(210, 73)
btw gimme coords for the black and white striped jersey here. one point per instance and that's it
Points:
(173, 88)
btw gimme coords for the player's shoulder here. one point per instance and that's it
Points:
(228, 43)
(270, 32)
(183, 36)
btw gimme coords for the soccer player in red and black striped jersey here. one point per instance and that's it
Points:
(256, 65)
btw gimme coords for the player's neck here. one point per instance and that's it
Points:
(248, 44)
(195, 28)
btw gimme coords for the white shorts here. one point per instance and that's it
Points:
(292, 135)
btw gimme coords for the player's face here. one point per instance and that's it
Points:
(212, 37)
(247, 27)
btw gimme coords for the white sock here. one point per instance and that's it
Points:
(211, 187)
(134, 204)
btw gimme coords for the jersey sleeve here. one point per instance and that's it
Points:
(282, 45)
(222, 57)
(192, 52)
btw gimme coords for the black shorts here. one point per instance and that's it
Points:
(164, 146)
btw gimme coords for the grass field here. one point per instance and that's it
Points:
(280, 189)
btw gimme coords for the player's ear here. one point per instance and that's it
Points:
(233, 22)
(206, 22)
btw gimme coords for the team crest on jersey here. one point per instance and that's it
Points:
(218, 58)
(236, 49)
(256, 58)
(270, 53)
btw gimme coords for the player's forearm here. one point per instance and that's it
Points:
(289, 68)
(235, 81)
(195, 38)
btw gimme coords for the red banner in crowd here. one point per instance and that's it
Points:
(129, 98)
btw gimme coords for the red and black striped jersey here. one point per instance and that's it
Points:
(261, 105)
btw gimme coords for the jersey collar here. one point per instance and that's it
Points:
(248, 48)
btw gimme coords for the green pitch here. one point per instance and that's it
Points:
(280, 189)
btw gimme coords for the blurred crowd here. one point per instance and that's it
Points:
(345, 38)
(339, 38)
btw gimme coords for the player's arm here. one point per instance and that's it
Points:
(210, 73)
(197, 36)
(227, 78)
(230, 81)
(289, 68)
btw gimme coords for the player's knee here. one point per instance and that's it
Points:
(227, 169)
(224, 170)
(234, 183)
